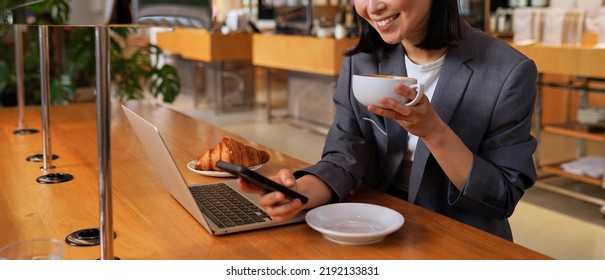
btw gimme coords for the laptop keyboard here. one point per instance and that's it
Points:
(226, 207)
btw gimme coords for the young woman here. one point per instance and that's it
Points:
(464, 150)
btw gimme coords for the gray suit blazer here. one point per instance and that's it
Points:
(485, 93)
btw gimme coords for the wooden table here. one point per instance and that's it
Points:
(227, 60)
(584, 61)
(300, 53)
(150, 224)
(200, 45)
(313, 65)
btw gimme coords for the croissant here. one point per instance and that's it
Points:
(231, 151)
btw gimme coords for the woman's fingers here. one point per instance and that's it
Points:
(278, 207)
(250, 188)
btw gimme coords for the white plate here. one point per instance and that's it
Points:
(354, 223)
(211, 173)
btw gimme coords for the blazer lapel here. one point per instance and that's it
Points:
(394, 64)
(452, 82)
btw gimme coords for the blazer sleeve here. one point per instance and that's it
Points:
(504, 167)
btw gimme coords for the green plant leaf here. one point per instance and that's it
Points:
(50, 12)
(165, 81)
(4, 74)
(134, 69)
(61, 93)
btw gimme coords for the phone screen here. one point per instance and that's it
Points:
(260, 180)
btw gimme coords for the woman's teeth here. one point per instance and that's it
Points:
(385, 21)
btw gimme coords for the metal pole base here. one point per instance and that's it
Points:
(54, 178)
(85, 237)
(39, 158)
(25, 131)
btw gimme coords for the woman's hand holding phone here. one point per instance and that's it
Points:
(278, 196)
(275, 203)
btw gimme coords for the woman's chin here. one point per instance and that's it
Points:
(391, 41)
(390, 38)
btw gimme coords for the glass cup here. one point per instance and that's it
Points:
(37, 249)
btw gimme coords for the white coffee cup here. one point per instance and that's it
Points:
(370, 88)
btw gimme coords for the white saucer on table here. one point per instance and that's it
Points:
(354, 223)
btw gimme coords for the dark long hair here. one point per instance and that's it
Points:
(443, 31)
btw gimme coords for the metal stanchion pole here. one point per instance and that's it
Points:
(18, 42)
(104, 141)
(45, 97)
(103, 235)
(52, 178)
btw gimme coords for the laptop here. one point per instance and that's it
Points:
(219, 216)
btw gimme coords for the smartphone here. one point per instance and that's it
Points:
(260, 180)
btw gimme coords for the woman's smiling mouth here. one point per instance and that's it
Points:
(386, 21)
